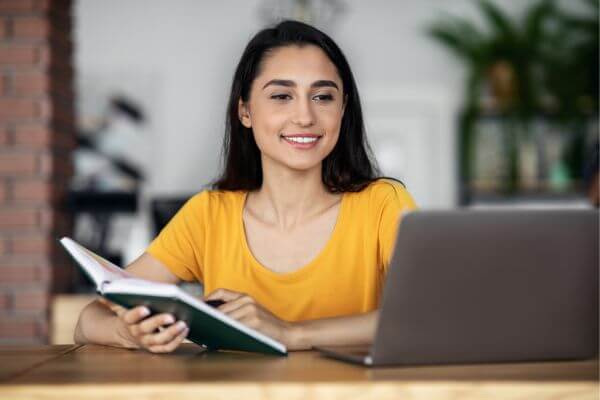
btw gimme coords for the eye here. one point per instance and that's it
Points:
(323, 97)
(281, 97)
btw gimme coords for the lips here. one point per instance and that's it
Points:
(301, 140)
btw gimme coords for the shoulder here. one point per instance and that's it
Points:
(215, 198)
(383, 191)
(212, 204)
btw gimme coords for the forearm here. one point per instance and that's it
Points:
(339, 331)
(97, 324)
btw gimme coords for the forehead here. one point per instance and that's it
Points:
(303, 64)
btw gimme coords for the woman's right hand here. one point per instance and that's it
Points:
(158, 334)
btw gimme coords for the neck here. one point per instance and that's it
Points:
(288, 197)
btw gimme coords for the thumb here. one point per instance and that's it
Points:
(117, 309)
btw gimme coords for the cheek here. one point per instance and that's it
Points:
(268, 120)
(331, 121)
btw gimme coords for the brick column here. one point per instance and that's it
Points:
(36, 140)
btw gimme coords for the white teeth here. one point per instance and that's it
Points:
(302, 139)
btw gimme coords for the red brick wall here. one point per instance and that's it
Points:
(36, 139)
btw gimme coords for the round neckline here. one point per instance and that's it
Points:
(299, 272)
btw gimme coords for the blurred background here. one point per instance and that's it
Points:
(112, 114)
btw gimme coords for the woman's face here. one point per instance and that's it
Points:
(295, 107)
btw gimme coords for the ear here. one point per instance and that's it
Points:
(244, 114)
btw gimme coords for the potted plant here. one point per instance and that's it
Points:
(517, 68)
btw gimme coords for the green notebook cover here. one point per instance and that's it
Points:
(205, 329)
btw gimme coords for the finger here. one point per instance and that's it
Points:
(224, 294)
(135, 315)
(231, 306)
(164, 337)
(250, 321)
(172, 345)
(150, 325)
(247, 310)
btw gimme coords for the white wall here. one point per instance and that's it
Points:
(177, 58)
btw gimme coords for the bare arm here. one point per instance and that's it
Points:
(338, 331)
(99, 324)
(348, 330)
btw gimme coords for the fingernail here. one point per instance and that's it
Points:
(145, 312)
(169, 319)
(181, 326)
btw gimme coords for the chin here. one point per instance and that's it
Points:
(301, 165)
(294, 162)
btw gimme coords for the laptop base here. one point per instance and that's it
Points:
(354, 354)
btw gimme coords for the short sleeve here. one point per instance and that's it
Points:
(395, 202)
(179, 244)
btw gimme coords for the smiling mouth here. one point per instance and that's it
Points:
(301, 139)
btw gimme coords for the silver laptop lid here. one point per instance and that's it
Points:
(483, 286)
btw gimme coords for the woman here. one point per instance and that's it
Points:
(297, 234)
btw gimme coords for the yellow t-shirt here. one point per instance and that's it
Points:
(205, 241)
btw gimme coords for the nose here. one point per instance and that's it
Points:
(303, 113)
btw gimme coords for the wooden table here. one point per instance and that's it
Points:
(97, 372)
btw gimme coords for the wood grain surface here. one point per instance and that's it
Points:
(15, 360)
(98, 372)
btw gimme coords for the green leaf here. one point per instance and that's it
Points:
(535, 18)
(459, 36)
(499, 21)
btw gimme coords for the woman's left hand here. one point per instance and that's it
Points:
(246, 310)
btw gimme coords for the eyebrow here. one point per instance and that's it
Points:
(290, 83)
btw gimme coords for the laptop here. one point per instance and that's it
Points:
(487, 286)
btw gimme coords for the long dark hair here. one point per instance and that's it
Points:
(349, 167)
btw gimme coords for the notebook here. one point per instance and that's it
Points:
(208, 326)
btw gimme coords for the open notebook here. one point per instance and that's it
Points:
(208, 326)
